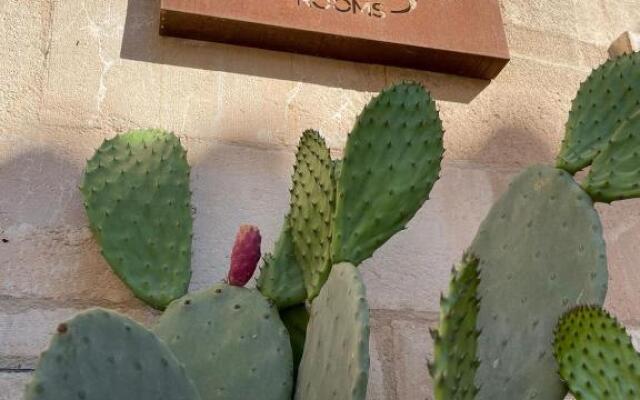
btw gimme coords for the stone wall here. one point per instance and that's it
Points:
(76, 71)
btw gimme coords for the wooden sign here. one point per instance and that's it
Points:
(462, 37)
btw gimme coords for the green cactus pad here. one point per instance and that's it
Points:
(101, 355)
(296, 319)
(232, 343)
(312, 198)
(391, 161)
(595, 356)
(615, 172)
(454, 367)
(541, 252)
(609, 96)
(136, 191)
(335, 363)
(336, 170)
(280, 277)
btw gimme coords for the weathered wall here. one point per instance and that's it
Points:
(74, 72)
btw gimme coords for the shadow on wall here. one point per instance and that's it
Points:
(142, 42)
(44, 227)
(234, 185)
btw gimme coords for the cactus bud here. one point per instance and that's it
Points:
(244, 256)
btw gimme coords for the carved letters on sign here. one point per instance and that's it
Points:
(377, 9)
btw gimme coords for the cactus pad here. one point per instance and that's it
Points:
(391, 161)
(101, 355)
(136, 191)
(615, 172)
(280, 277)
(312, 198)
(609, 96)
(335, 363)
(296, 319)
(232, 343)
(454, 367)
(595, 356)
(541, 252)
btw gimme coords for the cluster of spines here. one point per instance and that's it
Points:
(312, 203)
(455, 340)
(595, 355)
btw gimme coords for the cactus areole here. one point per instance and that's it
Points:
(245, 255)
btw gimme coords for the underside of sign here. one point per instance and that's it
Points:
(461, 37)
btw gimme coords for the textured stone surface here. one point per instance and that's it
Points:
(74, 72)
(12, 385)
(413, 347)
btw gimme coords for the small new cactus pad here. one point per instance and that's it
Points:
(391, 161)
(101, 355)
(595, 356)
(312, 198)
(244, 255)
(609, 96)
(280, 277)
(454, 366)
(232, 343)
(136, 191)
(541, 252)
(615, 172)
(335, 363)
(296, 319)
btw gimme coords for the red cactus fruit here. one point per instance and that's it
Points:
(245, 255)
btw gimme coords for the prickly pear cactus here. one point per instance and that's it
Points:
(454, 366)
(312, 203)
(609, 96)
(615, 172)
(335, 363)
(101, 355)
(391, 161)
(296, 319)
(137, 198)
(595, 356)
(232, 343)
(244, 255)
(280, 277)
(541, 252)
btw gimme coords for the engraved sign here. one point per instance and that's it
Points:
(377, 9)
(462, 37)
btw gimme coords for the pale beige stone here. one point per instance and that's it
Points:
(24, 50)
(554, 16)
(12, 385)
(379, 388)
(412, 347)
